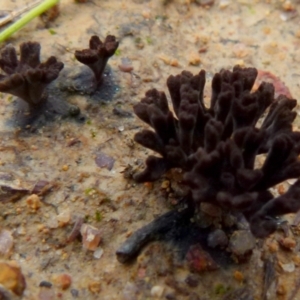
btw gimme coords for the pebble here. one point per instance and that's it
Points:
(169, 61)
(288, 267)
(65, 168)
(98, 253)
(288, 243)
(11, 277)
(62, 281)
(273, 246)
(217, 238)
(74, 293)
(126, 65)
(288, 15)
(194, 59)
(199, 260)
(281, 288)
(104, 161)
(6, 242)
(64, 217)
(296, 260)
(288, 6)
(165, 184)
(281, 189)
(157, 291)
(239, 276)
(94, 287)
(21, 230)
(224, 3)
(91, 236)
(241, 243)
(33, 202)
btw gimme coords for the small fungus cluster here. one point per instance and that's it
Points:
(217, 147)
(97, 55)
(28, 78)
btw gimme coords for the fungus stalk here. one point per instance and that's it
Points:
(96, 57)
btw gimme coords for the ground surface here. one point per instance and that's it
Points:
(159, 39)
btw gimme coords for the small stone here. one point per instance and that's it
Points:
(241, 243)
(273, 246)
(239, 276)
(165, 184)
(288, 6)
(296, 260)
(65, 168)
(74, 293)
(281, 288)
(217, 238)
(224, 3)
(94, 287)
(288, 267)
(194, 59)
(64, 217)
(169, 61)
(157, 291)
(62, 281)
(199, 260)
(288, 243)
(33, 202)
(148, 185)
(281, 189)
(91, 237)
(104, 161)
(98, 253)
(288, 15)
(6, 242)
(21, 230)
(11, 277)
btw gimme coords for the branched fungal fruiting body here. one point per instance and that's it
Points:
(27, 78)
(96, 57)
(216, 146)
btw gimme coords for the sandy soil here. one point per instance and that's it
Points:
(159, 38)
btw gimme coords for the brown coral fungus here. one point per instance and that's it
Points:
(96, 57)
(27, 78)
(216, 148)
